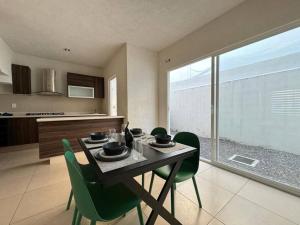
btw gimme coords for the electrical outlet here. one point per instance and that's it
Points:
(13, 105)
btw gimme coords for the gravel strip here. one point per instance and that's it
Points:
(276, 165)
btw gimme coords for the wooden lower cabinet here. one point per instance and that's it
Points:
(51, 133)
(3, 132)
(18, 131)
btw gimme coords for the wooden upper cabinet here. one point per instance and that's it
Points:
(21, 78)
(99, 87)
(81, 80)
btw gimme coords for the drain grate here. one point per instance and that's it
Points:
(244, 160)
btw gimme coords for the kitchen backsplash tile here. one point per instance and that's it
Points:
(36, 103)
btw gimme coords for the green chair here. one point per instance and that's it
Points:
(155, 131)
(87, 170)
(187, 170)
(96, 202)
(159, 130)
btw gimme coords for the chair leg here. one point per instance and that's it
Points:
(172, 200)
(197, 193)
(75, 216)
(151, 182)
(175, 186)
(143, 180)
(93, 222)
(70, 200)
(139, 209)
(79, 217)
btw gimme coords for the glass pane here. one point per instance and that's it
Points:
(190, 102)
(113, 96)
(259, 108)
(81, 92)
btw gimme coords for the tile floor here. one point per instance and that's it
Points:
(36, 194)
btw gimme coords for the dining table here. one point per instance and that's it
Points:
(152, 159)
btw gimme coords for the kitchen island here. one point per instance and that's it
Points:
(53, 130)
(20, 128)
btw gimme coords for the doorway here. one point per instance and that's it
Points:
(112, 84)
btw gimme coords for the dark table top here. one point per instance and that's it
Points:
(155, 159)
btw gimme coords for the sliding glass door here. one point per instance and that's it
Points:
(259, 108)
(249, 120)
(190, 104)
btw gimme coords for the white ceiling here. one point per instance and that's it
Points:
(95, 29)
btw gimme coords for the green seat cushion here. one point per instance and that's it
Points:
(114, 201)
(185, 172)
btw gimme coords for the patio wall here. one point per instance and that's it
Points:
(260, 111)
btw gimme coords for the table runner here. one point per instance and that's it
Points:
(109, 166)
(148, 138)
(91, 146)
(177, 147)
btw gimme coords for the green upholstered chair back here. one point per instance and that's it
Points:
(192, 140)
(81, 192)
(67, 145)
(159, 130)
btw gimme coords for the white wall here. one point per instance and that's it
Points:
(246, 21)
(31, 103)
(37, 64)
(136, 70)
(248, 113)
(142, 77)
(117, 66)
(190, 110)
(258, 104)
(6, 55)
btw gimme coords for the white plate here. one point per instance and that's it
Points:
(90, 141)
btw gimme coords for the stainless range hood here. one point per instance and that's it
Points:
(48, 83)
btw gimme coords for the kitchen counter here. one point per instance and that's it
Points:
(22, 115)
(73, 118)
(52, 130)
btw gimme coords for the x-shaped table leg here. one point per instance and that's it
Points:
(156, 205)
